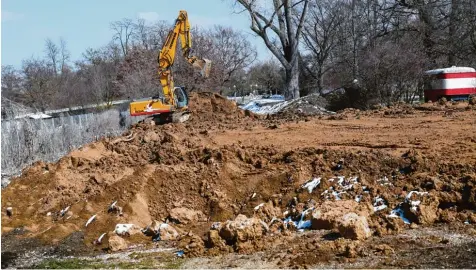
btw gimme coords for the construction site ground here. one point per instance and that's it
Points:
(225, 162)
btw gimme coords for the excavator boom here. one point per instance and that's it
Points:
(174, 98)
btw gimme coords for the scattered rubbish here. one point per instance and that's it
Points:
(339, 165)
(9, 211)
(399, 212)
(156, 238)
(48, 214)
(64, 211)
(336, 195)
(259, 206)
(301, 224)
(112, 206)
(312, 184)
(384, 181)
(99, 240)
(179, 253)
(91, 219)
(122, 229)
(304, 224)
(216, 225)
(379, 204)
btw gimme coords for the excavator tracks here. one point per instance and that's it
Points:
(175, 117)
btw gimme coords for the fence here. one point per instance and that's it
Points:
(25, 141)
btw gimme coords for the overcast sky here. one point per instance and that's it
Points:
(26, 24)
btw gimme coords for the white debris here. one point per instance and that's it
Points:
(340, 187)
(9, 211)
(358, 198)
(48, 214)
(38, 116)
(91, 219)
(414, 204)
(379, 204)
(398, 212)
(216, 225)
(312, 184)
(122, 229)
(112, 205)
(304, 224)
(254, 195)
(385, 181)
(409, 195)
(336, 195)
(259, 206)
(99, 240)
(64, 211)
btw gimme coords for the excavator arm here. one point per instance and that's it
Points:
(166, 59)
(166, 56)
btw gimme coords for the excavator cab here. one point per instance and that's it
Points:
(181, 97)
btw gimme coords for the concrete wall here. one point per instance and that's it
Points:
(25, 140)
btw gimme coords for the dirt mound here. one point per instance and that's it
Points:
(180, 174)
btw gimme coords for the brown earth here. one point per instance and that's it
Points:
(225, 162)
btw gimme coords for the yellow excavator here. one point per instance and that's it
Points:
(173, 104)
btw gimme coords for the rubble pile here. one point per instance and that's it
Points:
(175, 183)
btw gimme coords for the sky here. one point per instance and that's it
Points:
(26, 24)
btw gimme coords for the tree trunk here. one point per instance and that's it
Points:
(452, 35)
(320, 79)
(292, 82)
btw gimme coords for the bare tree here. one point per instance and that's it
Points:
(280, 27)
(38, 84)
(52, 54)
(11, 82)
(64, 54)
(123, 31)
(320, 38)
(231, 52)
(268, 76)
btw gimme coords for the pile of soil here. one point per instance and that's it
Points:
(177, 173)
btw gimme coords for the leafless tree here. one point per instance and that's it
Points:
(280, 24)
(64, 54)
(52, 54)
(11, 82)
(320, 37)
(38, 79)
(231, 52)
(123, 31)
(268, 77)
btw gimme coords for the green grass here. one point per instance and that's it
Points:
(148, 263)
(69, 264)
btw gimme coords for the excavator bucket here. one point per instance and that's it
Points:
(204, 65)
